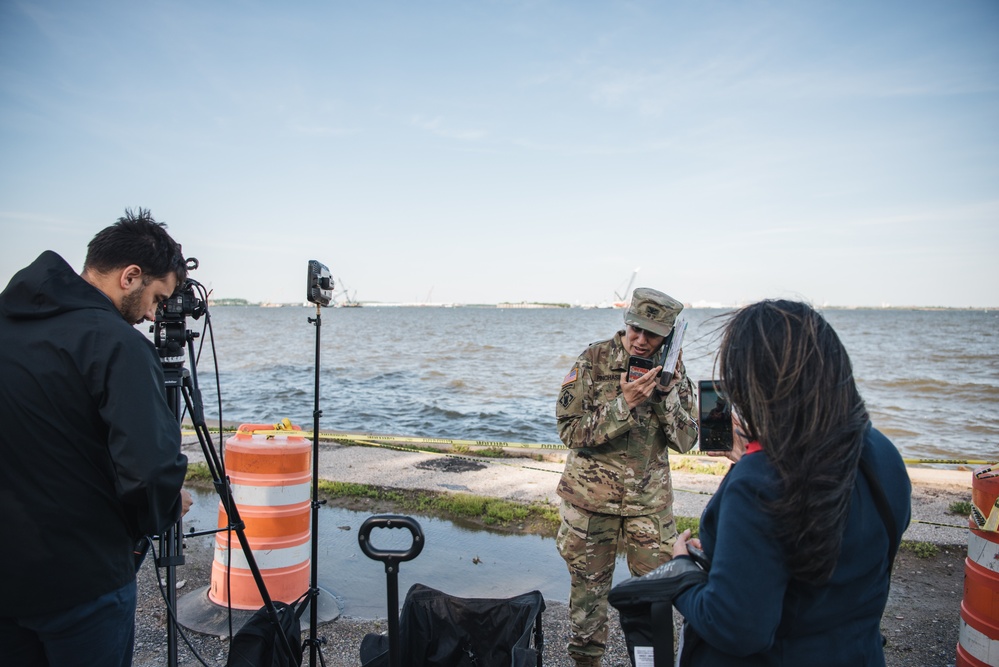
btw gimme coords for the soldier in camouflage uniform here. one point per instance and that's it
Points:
(616, 485)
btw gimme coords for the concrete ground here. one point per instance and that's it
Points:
(527, 480)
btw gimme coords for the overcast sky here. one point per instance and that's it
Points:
(845, 153)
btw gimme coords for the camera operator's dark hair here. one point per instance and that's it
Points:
(791, 381)
(136, 238)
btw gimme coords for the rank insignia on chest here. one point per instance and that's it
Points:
(566, 398)
(571, 377)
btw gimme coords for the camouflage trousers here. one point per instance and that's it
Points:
(589, 543)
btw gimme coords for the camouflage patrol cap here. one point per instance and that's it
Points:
(652, 310)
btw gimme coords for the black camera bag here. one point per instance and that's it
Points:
(645, 605)
(258, 644)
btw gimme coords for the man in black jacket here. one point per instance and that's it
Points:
(90, 455)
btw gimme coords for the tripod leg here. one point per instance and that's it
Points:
(171, 541)
(171, 555)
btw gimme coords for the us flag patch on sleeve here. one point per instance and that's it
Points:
(571, 377)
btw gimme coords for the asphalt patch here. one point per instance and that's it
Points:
(450, 465)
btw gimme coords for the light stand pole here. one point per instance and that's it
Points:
(316, 503)
(319, 292)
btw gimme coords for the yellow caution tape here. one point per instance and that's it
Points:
(389, 442)
(285, 425)
(989, 524)
(934, 523)
(956, 462)
(985, 473)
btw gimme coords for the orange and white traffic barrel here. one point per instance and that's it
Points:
(978, 641)
(271, 479)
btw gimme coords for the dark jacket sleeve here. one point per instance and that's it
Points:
(143, 438)
(739, 608)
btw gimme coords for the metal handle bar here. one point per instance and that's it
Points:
(390, 521)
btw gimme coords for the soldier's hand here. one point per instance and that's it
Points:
(638, 391)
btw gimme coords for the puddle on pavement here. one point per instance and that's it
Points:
(462, 561)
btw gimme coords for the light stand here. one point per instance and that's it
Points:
(320, 292)
(314, 570)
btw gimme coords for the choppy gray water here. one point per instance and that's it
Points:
(930, 378)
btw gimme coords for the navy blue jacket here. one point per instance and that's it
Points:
(89, 447)
(749, 612)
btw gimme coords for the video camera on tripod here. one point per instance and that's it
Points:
(170, 333)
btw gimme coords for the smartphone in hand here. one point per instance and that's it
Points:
(639, 366)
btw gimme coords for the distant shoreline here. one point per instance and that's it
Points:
(243, 303)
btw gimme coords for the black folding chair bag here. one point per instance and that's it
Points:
(645, 606)
(258, 644)
(441, 630)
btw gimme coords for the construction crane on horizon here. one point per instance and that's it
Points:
(623, 300)
(348, 300)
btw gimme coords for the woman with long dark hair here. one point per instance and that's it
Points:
(802, 531)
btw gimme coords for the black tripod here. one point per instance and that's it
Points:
(171, 336)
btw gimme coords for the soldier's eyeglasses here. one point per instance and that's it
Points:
(638, 331)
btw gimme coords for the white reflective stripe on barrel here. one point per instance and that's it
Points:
(266, 559)
(983, 552)
(978, 645)
(271, 496)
